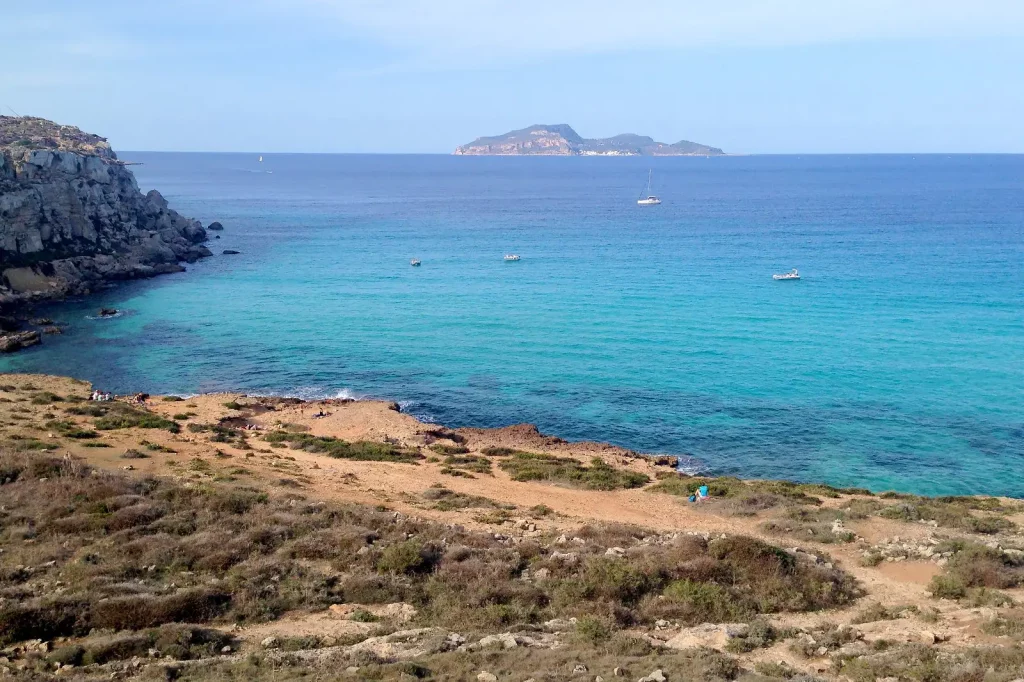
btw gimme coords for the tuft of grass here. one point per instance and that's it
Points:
(528, 466)
(445, 500)
(445, 449)
(155, 447)
(473, 463)
(814, 524)
(69, 429)
(233, 405)
(46, 398)
(172, 399)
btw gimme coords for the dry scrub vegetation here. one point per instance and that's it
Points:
(103, 565)
(150, 577)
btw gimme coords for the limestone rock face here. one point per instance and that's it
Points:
(72, 217)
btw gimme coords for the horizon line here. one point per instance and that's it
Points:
(557, 156)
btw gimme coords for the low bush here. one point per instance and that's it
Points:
(126, 417)
(473, 463)
(445, 449)
(921, 662)
(407, 558)
(976, 566)
(69, 429)
(46, 398)
(340, 449)
(952, 512)
(759, 492)
(448, 500)
(527, 466)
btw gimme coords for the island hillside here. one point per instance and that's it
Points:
(234, 537)
(562, 140)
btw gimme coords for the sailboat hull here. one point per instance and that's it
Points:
(648, 202)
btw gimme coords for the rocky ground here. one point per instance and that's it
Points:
(233, 537)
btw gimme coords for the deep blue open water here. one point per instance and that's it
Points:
(896, 362)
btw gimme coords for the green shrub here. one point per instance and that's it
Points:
(363, 616)
(69, 429)
(527, 466)
(593, 629)
(46, 398)
(409, 557)
(445, 449)
(340, 449)
(129, 418)
(479, 465)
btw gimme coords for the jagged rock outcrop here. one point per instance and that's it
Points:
(72, 217)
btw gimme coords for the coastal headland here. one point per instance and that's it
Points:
(73, 220)
(227, 536)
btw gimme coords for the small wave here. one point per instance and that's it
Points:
(119, 313)
(315, 393)
(690, 465)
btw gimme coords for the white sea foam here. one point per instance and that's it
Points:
(690, 465)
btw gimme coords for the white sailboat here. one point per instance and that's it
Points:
(647, 198)
(261, 158)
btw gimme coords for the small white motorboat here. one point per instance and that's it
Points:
(415, 263)
(792, 274)
(510, 257)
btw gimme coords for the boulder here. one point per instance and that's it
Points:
(215, 226)
(15, 341)
(709, 636)
(107, 312)
(506, 640)
(230, 252)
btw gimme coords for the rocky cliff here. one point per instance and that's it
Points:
(72, 217)
(561, 140)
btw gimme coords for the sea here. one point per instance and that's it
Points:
(895, 362)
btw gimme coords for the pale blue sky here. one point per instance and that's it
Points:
(750, 76)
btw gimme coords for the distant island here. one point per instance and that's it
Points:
(562, 140)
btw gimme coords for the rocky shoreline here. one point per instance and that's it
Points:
(73, 220)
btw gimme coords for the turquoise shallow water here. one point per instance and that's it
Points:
(897, 362)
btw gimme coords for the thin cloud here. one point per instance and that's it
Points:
(501, 29)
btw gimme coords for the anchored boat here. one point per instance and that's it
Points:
(792, 274)
(646, 197)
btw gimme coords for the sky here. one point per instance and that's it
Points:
(422, 76)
